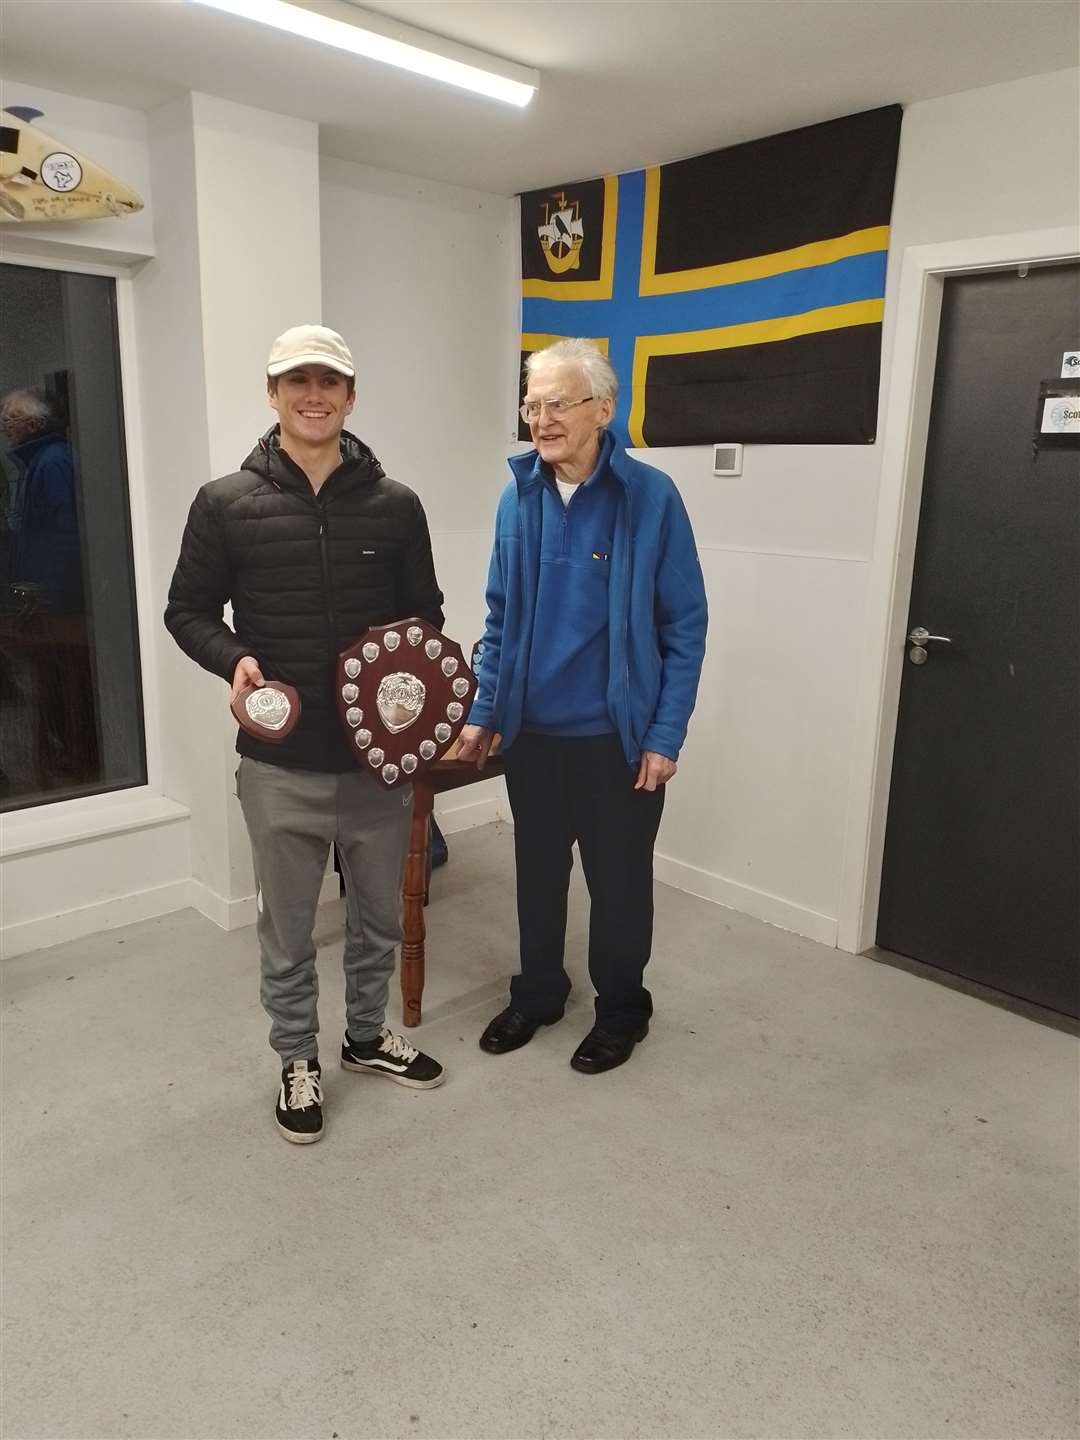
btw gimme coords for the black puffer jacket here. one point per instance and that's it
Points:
(306, 575)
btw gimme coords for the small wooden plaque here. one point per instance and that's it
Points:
(268, 712)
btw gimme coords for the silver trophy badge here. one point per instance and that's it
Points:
(268, 707)
(399, 700)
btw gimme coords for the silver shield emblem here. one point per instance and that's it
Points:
(408, 763)
(414, 634)
(349, 693)
(268, 707)
(454, 711)
(433, 649)
(427, 749)
(391, 639)
(399, 700)
(461, 686)
(389, 773)
(352, 668)
(442, 733)
(449, 665)
(353, 716)
(370, 651)
(375, 757)
(363, 738)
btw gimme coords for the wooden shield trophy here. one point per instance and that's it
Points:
(403, 692)
(268, 711)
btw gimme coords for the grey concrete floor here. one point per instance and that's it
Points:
(825, 1198)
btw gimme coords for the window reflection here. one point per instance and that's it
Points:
(70, 704)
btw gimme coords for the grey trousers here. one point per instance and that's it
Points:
(293, 817)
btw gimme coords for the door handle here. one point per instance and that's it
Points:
(920, 637)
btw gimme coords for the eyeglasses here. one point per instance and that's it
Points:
(532, 408)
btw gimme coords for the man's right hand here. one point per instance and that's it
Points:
(475, 744)
(247, 672)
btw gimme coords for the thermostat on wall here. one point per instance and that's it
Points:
(727, 460)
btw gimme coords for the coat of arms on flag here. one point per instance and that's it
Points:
(739, 294)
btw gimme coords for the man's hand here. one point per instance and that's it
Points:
(247, 672)
(475, 744)
(654, 770)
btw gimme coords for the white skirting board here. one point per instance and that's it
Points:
(90, 919)
(470, 811)
(773, 909)
(464, 809)
(472, 805)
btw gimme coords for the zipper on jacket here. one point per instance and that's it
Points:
(328, 589)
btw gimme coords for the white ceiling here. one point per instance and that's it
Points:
(623, 84)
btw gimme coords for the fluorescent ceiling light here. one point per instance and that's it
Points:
(347, 28)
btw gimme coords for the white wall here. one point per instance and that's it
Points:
(420, 278)
(758, 818)
(238, 262)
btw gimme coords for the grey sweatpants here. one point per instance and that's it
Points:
(293, 817)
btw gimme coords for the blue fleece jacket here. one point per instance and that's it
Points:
(657, 612)
(566, 690)
(45, 522)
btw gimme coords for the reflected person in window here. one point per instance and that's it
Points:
(44, 561)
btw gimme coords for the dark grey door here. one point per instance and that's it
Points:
(982, 851)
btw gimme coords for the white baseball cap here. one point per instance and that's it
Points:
(310, 345)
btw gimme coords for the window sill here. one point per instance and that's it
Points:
(71, 822)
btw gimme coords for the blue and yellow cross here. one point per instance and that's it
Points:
(634, 313)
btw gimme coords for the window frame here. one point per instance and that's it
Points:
(55, 823)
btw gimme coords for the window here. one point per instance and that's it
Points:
(71, 720)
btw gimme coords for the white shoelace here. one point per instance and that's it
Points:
(304, 1090)
(397, 1047)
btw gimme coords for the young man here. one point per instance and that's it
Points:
(311, 543)
(592, 652)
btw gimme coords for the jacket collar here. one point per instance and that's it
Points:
(267, 458)
(529, 470)
(27, 449)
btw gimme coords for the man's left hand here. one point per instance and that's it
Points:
(654, 770)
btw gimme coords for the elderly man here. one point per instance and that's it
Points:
(592, 651)
(312, 543)
(44, 518)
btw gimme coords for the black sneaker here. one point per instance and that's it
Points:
(392, 1055)
(299, 1106)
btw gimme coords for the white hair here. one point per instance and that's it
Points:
(29, 403)
(586, 354)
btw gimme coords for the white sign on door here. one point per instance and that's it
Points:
(1061, 415)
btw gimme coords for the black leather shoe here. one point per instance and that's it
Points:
(604, 1049)
(510, 1030)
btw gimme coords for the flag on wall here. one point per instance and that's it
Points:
(739, 294)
